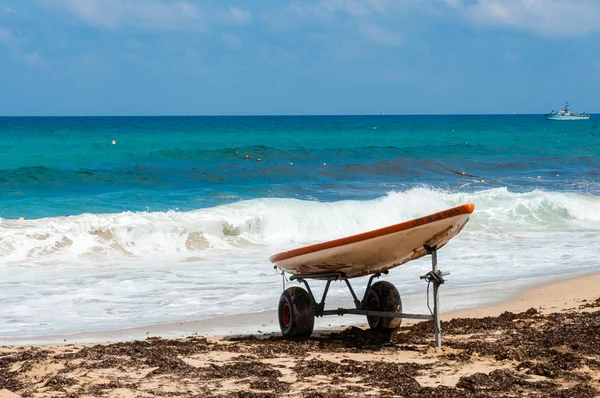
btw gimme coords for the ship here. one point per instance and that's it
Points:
(566, 114)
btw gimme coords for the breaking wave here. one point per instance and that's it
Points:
(283, 222)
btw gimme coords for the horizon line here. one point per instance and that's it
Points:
(283, 115)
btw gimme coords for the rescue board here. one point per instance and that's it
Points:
(378, 250)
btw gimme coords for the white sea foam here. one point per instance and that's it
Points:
(90, 272)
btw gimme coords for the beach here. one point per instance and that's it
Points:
(544, 342)
(141, 267)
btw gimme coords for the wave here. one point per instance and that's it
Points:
(265, 168)
(279, 222)
(49, 176)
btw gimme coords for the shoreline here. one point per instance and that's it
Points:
(547, 347)
(553, 296)
(474, 301)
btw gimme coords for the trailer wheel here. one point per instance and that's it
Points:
(383, 296)
(296, 313)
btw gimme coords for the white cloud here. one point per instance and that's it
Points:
(15, 48)
(550, 18)
(362, 14)
(149, 14)
(325, 9)
(10, 10)
(5, 36)
(453, 3)
(134, 45)
(380, 35)
(240, 16)
(94, 62)
(32, 58)
(378, 5)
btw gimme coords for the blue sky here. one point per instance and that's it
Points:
(245, 57)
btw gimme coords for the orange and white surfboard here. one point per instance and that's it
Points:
(378, 250)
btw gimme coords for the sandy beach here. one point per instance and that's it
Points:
(543, 343)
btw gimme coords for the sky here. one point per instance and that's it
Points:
(272, 57)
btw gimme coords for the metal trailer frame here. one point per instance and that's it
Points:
(435, 276)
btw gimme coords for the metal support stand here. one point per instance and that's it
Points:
(435, 276)
(436, 302)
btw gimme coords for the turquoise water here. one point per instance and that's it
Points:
(177, 219)
(60, 166)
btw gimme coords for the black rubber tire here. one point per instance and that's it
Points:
(383, 296)
(296, 313)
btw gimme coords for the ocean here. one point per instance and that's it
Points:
(176, 220)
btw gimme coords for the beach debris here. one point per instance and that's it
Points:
(513, 354)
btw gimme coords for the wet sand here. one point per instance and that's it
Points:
(544, 343)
